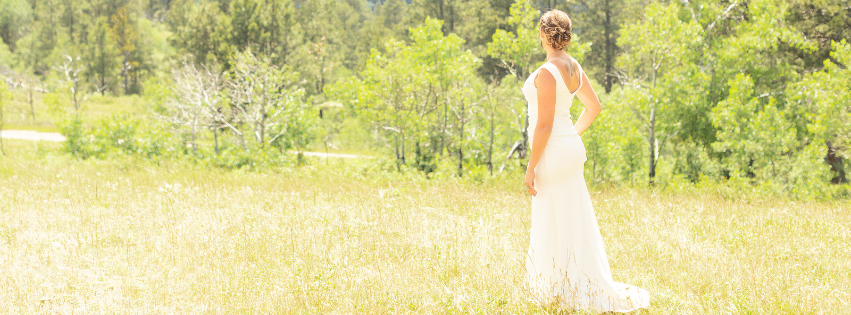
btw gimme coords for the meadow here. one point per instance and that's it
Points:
(133, 236)
(42, 116)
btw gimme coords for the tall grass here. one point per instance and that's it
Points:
(131, 237)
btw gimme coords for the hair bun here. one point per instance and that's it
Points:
(556, 26)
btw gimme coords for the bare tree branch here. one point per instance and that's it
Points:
(721, 16)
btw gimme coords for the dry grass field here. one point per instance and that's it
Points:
(124, 237)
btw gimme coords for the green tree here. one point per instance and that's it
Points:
(6, 57)
(330, 36)
(755, 135)
(416, 95)
(200, 29)
(33, 50)
(825, 95)
(124, 34)
(518, 51)
(659, 67)
(600, 22)
(490, 128)
(825, 22)
(15, 17)
(387, 20)
(101, 56)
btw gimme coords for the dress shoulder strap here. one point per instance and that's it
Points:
(555, 72)
(580, 77)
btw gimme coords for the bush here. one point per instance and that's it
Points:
(117, 134)
(76, 142)
(237, 158)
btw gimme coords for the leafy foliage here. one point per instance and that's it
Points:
(408, 93)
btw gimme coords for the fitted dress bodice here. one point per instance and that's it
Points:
(562, 124)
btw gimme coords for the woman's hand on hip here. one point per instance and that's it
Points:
(530, 182)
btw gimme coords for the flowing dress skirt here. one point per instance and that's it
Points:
(566, 263)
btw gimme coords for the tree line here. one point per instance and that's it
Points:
(754, 91)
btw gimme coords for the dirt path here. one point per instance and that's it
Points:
(32, 135)
(333, 155)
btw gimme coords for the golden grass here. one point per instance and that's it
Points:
(131, 237)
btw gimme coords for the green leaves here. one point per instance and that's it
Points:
(664, 82)
(201, 30)
(517, 49)
(826, 96)
(758, 141)
(659, 43)
(412, 93)
(100, 56)
(15, 15)
(755, 135)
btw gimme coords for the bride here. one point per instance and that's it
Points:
(566, 263)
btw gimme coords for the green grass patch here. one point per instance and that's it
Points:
(19, 113)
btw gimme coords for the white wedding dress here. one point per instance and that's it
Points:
(566, 264)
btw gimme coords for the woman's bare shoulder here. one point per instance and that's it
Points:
(570, 70)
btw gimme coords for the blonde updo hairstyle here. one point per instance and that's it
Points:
(556, 26)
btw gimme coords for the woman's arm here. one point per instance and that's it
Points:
(546, 84)
(593, 108)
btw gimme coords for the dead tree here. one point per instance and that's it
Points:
(262, 97)
(195, 102)
(70, 70)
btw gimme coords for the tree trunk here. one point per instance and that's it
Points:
(610, 49)
(32, 108)
(400, 150)
(124, 73)
(74, 92)
(262, 127)
(274, 29)
(651, 144)
(461, 120)
(836, 164)
(194, 132)
(443, 143)
(216, 140)
(490, 145)
(398, 157)
(403, 148)
(326, 151)
(71, 25)
(440, 13)
(52, 33)
(242, 142)
(103, 73)
(451, 16)
(525, 133)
